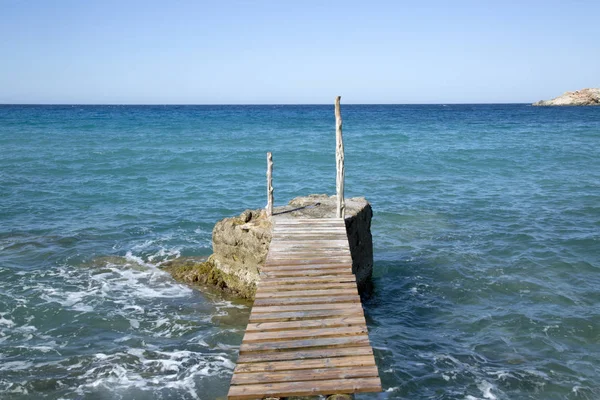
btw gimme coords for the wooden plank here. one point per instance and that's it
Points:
(306, 272)
(307, 293)
(304, 307)
(308, 230)
(313, 261)
(256, 337)
(306, 324)
(295, 267)
(330, 362)
(309, 286)
(307, 252)
(304, 280)
(274, 273)
(307, 221)
(306, 300)
(310, 254)
(319, 259)
(305, 224)
(348, 341)
(317, 374)
(297, 236)
(286, 389)
(280, 219)
(329, 242)
(269, 270)
(300, 315)
(304, 354)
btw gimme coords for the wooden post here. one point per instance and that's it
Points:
(339, 160)
(269, 184)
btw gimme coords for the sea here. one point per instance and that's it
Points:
(486, 233)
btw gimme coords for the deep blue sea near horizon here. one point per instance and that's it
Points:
(486, 234)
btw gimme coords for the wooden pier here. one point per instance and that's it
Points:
(307, 333)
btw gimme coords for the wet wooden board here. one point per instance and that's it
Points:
(307, 334)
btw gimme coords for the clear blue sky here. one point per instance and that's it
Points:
(275, 52)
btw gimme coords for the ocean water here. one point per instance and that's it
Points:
(486, 234)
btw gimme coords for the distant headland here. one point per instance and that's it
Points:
(583, 97)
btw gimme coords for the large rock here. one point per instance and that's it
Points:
(583, 97)
(241, 244)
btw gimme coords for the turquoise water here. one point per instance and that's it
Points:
(486, 233)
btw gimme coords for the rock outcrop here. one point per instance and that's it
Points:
(240, 244)
(583, 97)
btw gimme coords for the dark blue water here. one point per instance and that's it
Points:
(486, 234)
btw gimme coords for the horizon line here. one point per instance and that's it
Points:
(251, 104)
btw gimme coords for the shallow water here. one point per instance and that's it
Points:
(486, 234)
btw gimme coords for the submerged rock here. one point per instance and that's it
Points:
(240, 244)
(583, 97)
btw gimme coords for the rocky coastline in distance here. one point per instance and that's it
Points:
(583, 97)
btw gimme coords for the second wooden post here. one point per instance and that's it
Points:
(339, 160)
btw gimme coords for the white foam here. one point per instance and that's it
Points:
(15, 365)
(486, 390)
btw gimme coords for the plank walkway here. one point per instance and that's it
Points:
(307, 333)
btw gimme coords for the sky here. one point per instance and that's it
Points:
(296, 52)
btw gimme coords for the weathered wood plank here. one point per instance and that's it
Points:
(304, 280)
(327, 242)
(305, 354)
(281, 248)
(272, 301)
(313, 260)
(312, 235)
(306, 272)
(304, 307)
(307, 293)
(303, 262)
(290, 268)
(306, 324)
(300, 315)
(296, 267)
(308, 230)
(348, 341)
(317, 374)
(286, 389)
(297, 287)
(330, 362)
(280, 220)
(303, 254)
(256, 337)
